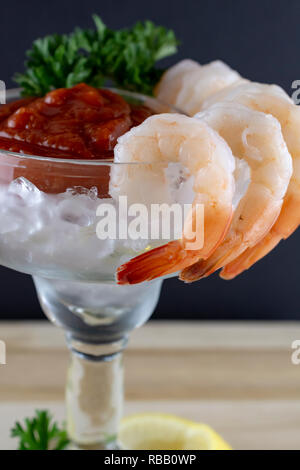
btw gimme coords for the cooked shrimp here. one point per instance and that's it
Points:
(173, 80)
(249, 94)
(187, 84)
(270, 99)
(256, 138)
(167, 138)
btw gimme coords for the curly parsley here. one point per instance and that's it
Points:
(40, 433)
(127, 58)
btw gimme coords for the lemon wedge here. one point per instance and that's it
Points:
(158, 431)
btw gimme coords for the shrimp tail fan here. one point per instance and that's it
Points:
(159, 261)
(205, 267)
(250, 256)
(169, 258)
(199, 270)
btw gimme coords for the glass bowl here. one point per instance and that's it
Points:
(48, 228)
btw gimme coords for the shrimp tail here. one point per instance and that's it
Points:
(250, 256)
(205, 267)
(196, 271)
(160, 261)
(287, 222)
(169, 258)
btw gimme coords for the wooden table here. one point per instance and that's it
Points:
(237, 377)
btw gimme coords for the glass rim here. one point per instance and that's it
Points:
(13, 92)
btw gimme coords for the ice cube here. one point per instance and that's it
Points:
(93, 193)
(8, 224)
(80, 190)
(76, 211)
(27, 191)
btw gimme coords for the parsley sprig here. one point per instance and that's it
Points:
(126, 57)
(40, 433)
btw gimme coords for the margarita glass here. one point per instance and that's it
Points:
(53, 237)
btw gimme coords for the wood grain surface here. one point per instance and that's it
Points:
(237, 377)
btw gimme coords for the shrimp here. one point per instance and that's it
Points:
(167, 138)
(187, 84)
(249, 94)
(270, 99)
(256, 138)
(173, 80)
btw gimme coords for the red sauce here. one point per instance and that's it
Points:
(79, 123)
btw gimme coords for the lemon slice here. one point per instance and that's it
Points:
(158, 431)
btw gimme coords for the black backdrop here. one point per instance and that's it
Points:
(259, 38)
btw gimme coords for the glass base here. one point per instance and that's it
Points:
(97, 319)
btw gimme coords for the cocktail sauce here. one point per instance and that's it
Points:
(81, 122)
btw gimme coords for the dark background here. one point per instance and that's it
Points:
(259, 38)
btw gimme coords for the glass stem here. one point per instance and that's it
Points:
(94, 394)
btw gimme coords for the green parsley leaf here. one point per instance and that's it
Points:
(40, 433)
(127, 58)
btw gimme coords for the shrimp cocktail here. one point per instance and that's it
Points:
(56, 174)
(86, 173)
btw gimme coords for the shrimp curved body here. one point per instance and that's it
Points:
(187, 84)
(273, 100)
(168, 138)
(257, 139)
